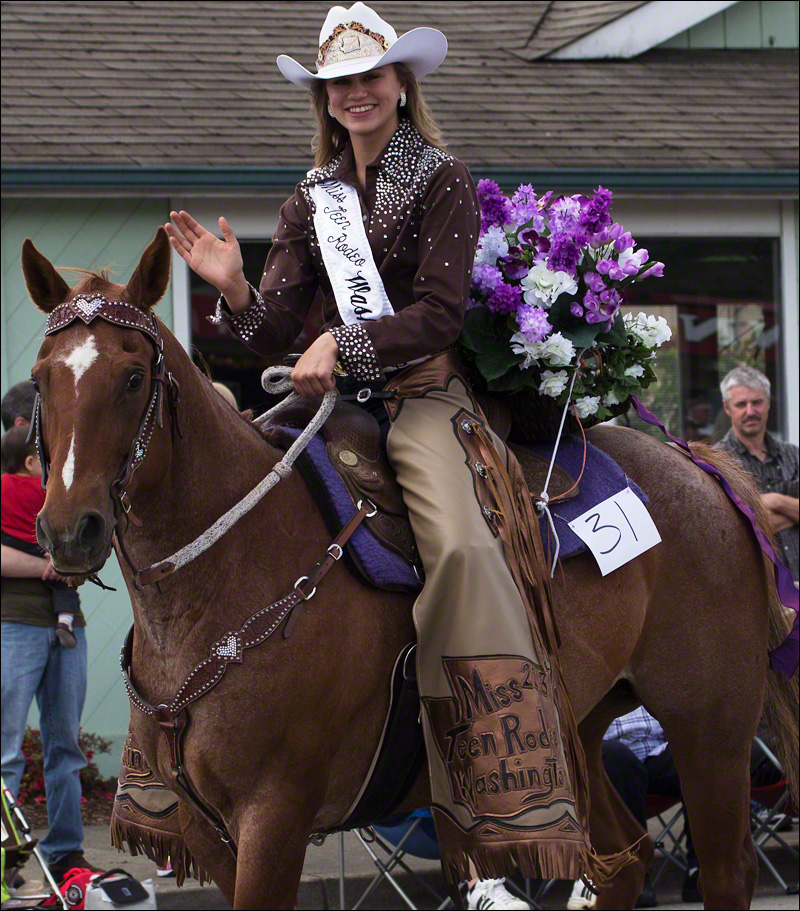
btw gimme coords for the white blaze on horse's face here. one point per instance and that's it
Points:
(68, 471)
(80, 359)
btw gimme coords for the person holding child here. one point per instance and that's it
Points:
(43, 656)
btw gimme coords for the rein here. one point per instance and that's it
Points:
(88, 307)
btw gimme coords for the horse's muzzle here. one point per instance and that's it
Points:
(81, 546)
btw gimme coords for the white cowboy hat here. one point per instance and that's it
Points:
(356, 40)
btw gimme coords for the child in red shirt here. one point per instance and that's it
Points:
(22, 500)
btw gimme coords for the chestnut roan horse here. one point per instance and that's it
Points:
(280, 747)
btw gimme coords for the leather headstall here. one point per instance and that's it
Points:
(88, 307)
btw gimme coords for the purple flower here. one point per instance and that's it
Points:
(623, 242)
(594, 216)
(602, 307)
(576, 309)
(530, 238)
(606, 235)
(495, 208)
(565, 216)
(594, 282)
(505, 299)
(610, 268)
(486, 278)
(486, 188)
(526, 207)
(565, 253)
(656, 270)
(533, 323)
(513, 267)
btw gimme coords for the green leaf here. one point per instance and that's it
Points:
(583, 335)
(483, 331)
(515, 379)
(493, 364)
(616, 335)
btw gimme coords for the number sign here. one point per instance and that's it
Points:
(616, 530)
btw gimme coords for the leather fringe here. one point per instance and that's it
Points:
(519, 530)
(159, 848)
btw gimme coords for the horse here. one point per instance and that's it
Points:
(280, 747)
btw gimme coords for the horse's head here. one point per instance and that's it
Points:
(100, 379)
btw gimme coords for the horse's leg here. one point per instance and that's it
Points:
(612, 825)
(709, 708)
(208, 851)
(272, 837)
(716, 790)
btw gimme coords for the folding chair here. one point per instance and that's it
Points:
(670, 846)
(775, 797)
(395, 838)
(388, 844)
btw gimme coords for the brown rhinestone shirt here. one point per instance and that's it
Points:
(422, 221)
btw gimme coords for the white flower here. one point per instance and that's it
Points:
(532, 350)
(635, 261)
(634, 370)
(611, 398)
(558, 350)
(553, 384)
(652, 331)
(493, 244)
(587, 405)
(543, 286)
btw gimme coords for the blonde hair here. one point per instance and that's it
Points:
(331, 137)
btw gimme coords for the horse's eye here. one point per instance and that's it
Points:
(135, 382)
(35, 383)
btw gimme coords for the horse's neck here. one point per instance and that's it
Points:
(213, 463)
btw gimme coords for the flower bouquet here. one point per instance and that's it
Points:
(544, 320)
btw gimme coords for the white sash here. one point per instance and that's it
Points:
(354, 277)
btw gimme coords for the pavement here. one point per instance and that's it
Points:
(320, 884)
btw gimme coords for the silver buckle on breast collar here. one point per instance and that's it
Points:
(363, 395)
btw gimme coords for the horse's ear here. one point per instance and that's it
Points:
(149, 282)
(46, 287)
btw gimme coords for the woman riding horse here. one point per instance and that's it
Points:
(386, 226)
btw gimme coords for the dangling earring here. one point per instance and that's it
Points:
(330, 111)
(402, 99)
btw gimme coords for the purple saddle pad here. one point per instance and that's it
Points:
(601, 479)
(382, 567)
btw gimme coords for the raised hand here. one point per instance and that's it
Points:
(217, 261)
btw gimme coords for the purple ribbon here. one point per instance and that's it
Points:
(784, 658)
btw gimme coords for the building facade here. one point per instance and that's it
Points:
(688, 112)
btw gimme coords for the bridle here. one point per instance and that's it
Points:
(91, 306)
(172, 717)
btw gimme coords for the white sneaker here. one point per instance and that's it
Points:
(492, 893)
(581, 897)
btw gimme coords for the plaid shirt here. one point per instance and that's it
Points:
(640, 732)
(778, 473)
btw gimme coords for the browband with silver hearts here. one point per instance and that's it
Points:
(88, 306)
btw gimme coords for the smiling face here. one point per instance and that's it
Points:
(748, 410)
(366, 104)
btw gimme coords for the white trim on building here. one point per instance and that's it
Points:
(642, 29)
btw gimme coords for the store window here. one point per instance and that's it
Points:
(721, 298)
(224, 357)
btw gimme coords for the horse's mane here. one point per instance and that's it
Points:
(93, 280)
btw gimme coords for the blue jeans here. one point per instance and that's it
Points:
(35, 664)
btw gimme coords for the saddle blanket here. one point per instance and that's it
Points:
(602, 477)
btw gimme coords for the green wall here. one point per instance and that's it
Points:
(84, 233)
(747, 24)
